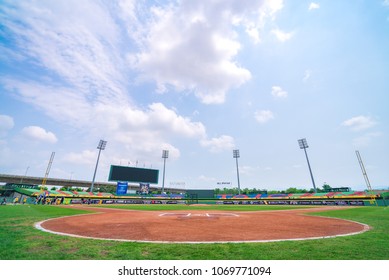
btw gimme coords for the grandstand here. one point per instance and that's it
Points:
(33, 194)
(325, 195)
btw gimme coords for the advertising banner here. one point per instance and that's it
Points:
(121, 188)
(144, 188)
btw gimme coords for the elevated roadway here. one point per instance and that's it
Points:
(17, 179)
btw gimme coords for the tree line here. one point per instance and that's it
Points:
(246, 191)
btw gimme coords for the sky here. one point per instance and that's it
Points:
(199, 79)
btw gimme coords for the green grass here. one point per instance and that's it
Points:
(21, 241)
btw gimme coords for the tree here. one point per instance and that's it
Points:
(292, 190)
(318, 190)
(295, 190)
(273, 192)
(108, 189)
(326, 188)
(245, 191)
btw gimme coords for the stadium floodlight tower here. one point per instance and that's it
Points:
(165, 155)
(100, 147)
(304, 145)
(236, 155)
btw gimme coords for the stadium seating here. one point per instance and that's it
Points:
(242, 198)
(326, 195)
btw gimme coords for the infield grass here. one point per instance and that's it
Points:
(19, 240)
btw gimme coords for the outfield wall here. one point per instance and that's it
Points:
(332, 198)
(332, 202)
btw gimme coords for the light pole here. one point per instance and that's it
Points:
(165, 155)
(47, 170)
(304, 145)
(100, 147)
(236, 155)
(366, 178)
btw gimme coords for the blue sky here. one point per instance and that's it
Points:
(198, 78)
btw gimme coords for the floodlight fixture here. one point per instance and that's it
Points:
(304, 145)
(165, 155)
(100, 147)
(236, 155)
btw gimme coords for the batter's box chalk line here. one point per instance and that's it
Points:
(210, 215)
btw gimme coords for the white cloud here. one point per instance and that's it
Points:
(307, 75)
(183, 52)
(60, 103)
(39, 134)
(192, 46)
(263, 116)
(86, 157)
(157, 118)
(313, 6)
(79, 47)
(140, 130)
(247, 170)
(6, 123)
(206, 178)
(144, 133)
(271, 7)
(359, 123)
(385, 3)
(278, 92)
(365, 140)
(93, 96)
(219, 144)
(254, 25)
(87, 62)
(167, 119)
(282, 35)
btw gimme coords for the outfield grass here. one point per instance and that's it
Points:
(21, 241)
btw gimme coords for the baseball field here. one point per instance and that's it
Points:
(156, 232)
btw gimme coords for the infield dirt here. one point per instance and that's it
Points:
(185, 226)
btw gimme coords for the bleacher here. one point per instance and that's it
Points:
(323, 198)
(325, 195)
(57, 193)
(95, 195)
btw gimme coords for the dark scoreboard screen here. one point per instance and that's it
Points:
(340, 189)
(133, 174)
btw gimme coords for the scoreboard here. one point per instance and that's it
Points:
(133, 174)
